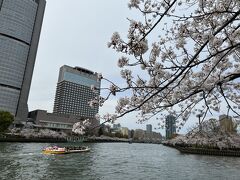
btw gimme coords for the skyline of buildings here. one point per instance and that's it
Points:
(20, 27)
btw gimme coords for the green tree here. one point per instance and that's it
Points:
(6, 119)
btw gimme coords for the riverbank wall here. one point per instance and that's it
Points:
(235, 152)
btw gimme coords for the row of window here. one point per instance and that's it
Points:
(19, 71)
(74, 85)
(56, 125)
(78, 88)
(72, 110)
(11, 45)
(21, 5)
(77, 113)
(8, 99)
(78, 79)
(17, 22)
(11, 79)
(73, 99)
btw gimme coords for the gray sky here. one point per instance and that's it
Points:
(75, 33)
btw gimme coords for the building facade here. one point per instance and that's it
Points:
(74, 92)
(170, 126)
(139, 134)
(227, 124)
(149, 128)
(58, 122)
(125, 131)
(20, 26)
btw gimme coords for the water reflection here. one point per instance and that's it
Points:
(8, 162)
(113, 161)
(21, 161)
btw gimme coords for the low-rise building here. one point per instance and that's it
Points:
(139, 134)
(58, 122)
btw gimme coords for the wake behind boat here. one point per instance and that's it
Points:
(65, 150)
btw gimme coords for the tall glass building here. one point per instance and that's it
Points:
(74, 92)
(149, 128)
(170, 126)
(20, 26)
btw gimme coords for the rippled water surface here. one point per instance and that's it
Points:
(112, 161)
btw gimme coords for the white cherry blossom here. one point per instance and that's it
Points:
(181, 56)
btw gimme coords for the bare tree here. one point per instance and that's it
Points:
(182, 58)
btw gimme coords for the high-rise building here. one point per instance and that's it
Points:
(149, 128)
(170, 126)
(74, 92)
(20, 26)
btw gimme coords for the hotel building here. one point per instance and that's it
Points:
(71, 101)
(74, 92)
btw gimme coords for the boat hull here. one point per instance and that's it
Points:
(66, 151)
(53, 152)
(77, 151)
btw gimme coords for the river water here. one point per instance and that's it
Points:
(110, 161)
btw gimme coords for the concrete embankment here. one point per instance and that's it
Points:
(213, 151)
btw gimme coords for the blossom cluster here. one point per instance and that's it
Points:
(182, 58)
(81, 127)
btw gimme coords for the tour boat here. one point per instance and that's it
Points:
(65, 150)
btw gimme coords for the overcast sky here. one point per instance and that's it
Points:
(75, 33)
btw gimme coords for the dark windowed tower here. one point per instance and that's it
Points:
(149, 128)
(20, 26)
(74, 92)
(170, 126)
